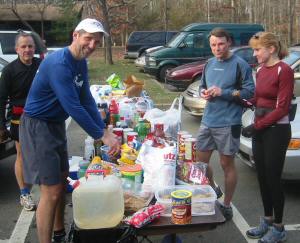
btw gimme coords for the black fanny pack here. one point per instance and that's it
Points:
(262, 111)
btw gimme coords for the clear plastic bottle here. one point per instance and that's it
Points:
(141, 107)
(89, 149)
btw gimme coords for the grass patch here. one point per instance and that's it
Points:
(100, 71)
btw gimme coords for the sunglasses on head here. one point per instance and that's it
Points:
(256, 36)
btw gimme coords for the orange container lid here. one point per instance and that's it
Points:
(131, 168)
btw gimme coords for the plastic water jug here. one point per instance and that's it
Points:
(98, 202)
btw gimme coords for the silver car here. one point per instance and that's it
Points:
(192, 101)
(291, 170)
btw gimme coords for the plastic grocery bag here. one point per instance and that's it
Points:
(115, 81)
(171, 118)
(159, 166)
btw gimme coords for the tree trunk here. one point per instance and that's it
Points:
(42, 26)
(208, 11)
(166, 15)
(108, 43)
(291, 21)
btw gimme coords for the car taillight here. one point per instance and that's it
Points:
(294, 143)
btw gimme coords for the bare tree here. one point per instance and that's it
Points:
(120, 17)
(108, 42)
(291, 9)
(166, 20)
(14, 8)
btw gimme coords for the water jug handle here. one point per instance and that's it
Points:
(100, 172)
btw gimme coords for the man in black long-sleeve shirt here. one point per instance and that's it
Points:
(15, 83)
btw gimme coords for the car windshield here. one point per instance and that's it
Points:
(176, 40)
(292, 58)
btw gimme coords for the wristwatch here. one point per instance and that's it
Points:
(235, 93)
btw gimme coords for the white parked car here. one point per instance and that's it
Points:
(140, 62)
(52, 49)
(3, 63)
(291, 170)
(7, 45)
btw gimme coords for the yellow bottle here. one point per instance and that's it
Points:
(96, 160)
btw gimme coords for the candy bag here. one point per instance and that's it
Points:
(144, 216)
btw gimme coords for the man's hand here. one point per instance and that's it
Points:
(111, 140)
(214, 91)
(204, 94)
(4, 134)
(248, 131)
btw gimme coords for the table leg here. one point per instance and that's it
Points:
(173, 238)
(145, 238)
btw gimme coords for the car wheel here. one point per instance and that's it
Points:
(163, 70)
(143, 53)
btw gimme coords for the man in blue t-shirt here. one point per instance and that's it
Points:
(226, 79)
(60, 89)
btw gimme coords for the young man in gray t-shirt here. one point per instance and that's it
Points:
(226, 79)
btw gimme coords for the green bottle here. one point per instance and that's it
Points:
(142, 129)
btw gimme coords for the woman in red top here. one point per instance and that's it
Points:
(271, 132)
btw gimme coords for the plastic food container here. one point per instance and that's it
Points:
(203, 199)
(132, 173)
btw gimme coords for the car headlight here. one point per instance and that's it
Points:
(152, 61)
(178, 72)
(294, 143)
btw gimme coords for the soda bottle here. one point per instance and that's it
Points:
(158, 135)
(114, 112)
(141, 129)
(159, 130)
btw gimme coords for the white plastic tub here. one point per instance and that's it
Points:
(203, 199)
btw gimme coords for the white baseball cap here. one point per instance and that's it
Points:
(90, 26)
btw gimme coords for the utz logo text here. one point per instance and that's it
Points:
(169, 156)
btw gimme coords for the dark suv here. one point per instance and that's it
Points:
(7, 148)
(139, 41)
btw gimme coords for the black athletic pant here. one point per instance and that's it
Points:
(269, 148)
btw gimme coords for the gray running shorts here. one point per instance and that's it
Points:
(226, 140)
(44, 151)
